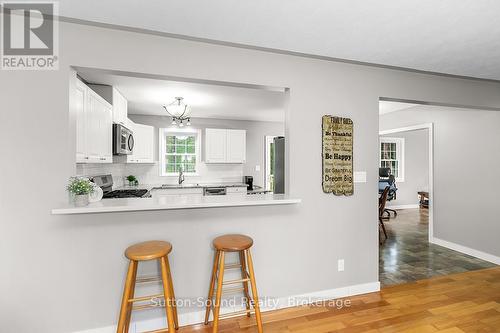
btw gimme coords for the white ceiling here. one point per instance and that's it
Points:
(460, 37)
(146, 96)
(388, 107)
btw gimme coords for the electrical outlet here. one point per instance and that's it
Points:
(340, 265)
(257, 168)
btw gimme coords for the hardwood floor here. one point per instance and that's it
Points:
(463, 302)
(407, 256)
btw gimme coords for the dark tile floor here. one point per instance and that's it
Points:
(407, 255)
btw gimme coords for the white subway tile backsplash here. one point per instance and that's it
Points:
(149, 173)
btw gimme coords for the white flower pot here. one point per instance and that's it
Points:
(81, 200)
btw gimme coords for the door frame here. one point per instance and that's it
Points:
(430, 128)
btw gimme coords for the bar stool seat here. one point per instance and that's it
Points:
(148, 250)
(233, 243)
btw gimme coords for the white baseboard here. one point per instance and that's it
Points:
(412, 206)
(281, 303)
(467, 250)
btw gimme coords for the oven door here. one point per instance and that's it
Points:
(214, 191)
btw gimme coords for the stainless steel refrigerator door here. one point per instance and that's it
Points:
(279, 165)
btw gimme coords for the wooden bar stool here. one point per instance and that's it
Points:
(152, 250)
(240, 244)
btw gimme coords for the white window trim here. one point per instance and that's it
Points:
(162, 149)
(400, 151)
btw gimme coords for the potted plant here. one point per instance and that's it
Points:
(132, 180)
(80, 187)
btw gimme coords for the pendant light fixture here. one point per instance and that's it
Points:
(179, 111)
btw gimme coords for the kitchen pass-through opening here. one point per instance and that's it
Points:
(170, 131)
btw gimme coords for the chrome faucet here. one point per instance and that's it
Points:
(181, 176)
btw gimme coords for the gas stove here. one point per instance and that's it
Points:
(125, 194)
(105, 182)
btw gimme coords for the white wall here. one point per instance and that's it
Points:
(65, 273)
(256, 131)
(416, 167)
(466, 159)
(207, 173)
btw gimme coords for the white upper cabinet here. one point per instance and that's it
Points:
(236, 146)
(94, 131)
(215, 145)
(115, 98)
(120, 106)
(143, 143)
(225, 146)
(80, 110)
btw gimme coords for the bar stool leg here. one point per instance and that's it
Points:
(167, 293)
(127, 291)
(254, 292)
(220, 279)
(245, 284)
(131, 305)
(174, 306)
(212, 286)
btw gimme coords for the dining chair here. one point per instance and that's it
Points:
(381, 208)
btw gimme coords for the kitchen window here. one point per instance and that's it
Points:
(392, 156)
(179, 150)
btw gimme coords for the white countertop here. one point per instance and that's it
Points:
(176, 202)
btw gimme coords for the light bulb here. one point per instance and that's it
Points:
(188, 122)
(181, 124)
(174, 122)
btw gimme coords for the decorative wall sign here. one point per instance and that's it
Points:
(337, 155)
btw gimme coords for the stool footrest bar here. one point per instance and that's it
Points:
(146, 306)
(147, 279)
(232, 266)
(146, 298)
(235, 314)
(235, 281)
(229, 291)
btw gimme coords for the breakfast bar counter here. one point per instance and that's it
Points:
(175, 202)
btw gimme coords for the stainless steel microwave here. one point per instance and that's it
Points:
(123, 140)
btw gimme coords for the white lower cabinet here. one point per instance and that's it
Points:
(143, 151)
(241, 190)
(94, 131)
(176, 192)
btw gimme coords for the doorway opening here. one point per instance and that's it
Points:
(408, 251)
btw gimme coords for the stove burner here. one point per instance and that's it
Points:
(125, 194)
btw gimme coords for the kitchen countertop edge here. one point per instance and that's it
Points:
(149, 204)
